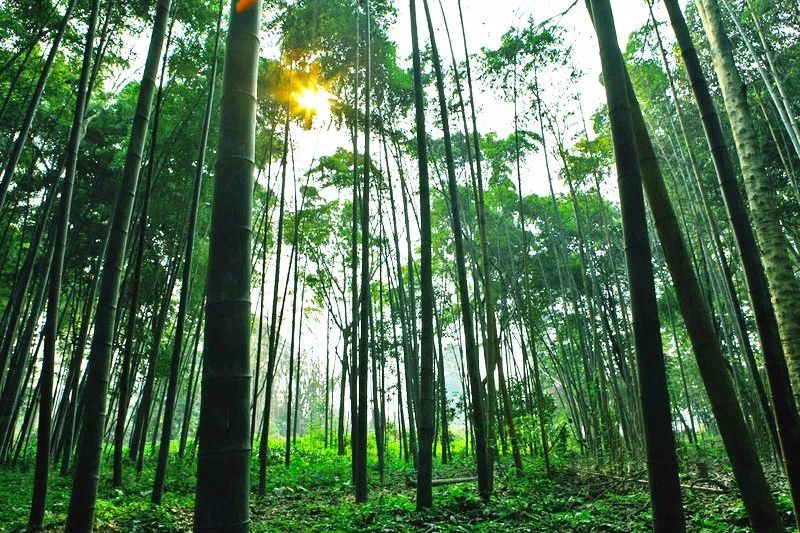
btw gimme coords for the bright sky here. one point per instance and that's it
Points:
(486, 22)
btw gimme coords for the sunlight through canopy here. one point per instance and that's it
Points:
(314, 100)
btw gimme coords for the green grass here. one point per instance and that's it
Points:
(314, 494)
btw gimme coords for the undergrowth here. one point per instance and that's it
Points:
(314, 494)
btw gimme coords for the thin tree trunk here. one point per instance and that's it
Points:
(130, 331)
(720, 253)
(287, 455)
(483, 457)
(779, 100)
(33, 105)
(186, 282)
(144, 412)
(191, 386)
(262, 293)
(327, 374)
(22, 358)
(84, 489)
(70, 397)
(775, 75)
(263, 444)
(354, 294)
(365, 293)
(22, 280)
(23, 64)
(443, 404)
(340, 444)
(402, 311)
(425, 414)
(39, 497)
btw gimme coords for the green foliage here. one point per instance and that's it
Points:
(314, 494)
(523, 51)
(501, 154)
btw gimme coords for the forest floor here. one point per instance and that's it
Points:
(314, 494)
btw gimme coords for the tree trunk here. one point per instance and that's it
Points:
(327, 374)
(191, 386)
(443, 404)
(662, 461)
(787, 118)
(22, 280)
(144, 412)
(289, 391)
(401, 310)
(340, 445)
(263, 444)
(22, 358)
(720, 255)
(365, 293)
(39, 497)
(783, 402)
(483, 458)
(708, 352)
(138, 262)
(425, 413)
(261, 292)
(84, 489)
(760, 194)
(354, 294)
(223, 465)
(70, 397)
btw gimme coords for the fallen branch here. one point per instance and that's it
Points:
(719, 489)
(411, 482)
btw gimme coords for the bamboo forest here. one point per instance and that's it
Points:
(400, 265)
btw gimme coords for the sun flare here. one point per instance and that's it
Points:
(315, 100)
